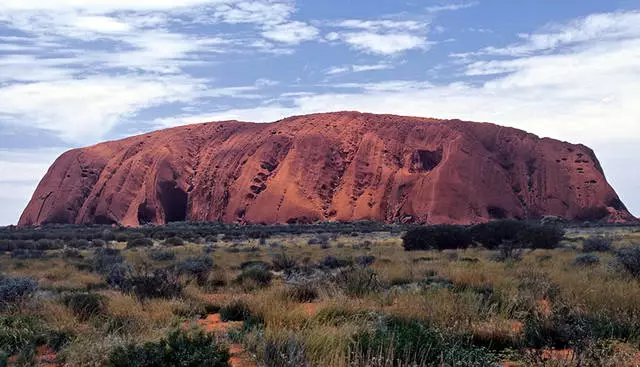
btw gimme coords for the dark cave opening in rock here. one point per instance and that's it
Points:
(174, 201)
(146, 214)
(428, 160)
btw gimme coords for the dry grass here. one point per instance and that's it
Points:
(459, 294)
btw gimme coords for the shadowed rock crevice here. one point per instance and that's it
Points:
(174, 201)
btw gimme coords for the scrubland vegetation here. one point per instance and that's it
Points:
(363, 294)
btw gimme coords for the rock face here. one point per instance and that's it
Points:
(342, 166)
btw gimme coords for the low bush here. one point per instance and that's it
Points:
(332, 262)
(597, 244)
(14, 290)
(104, 258)
(85, 305)
(235, 311)
(440, 237)
(283, 262)
(282, 351)
(508, 251)
(179, 348)
(160, 283)
(139, 242)
(71, 253)
(492, 235)
(196, 267)
(117, 274)
(357, 282)
(254, 264)
(254, 278)
(302, 293)
(586, 260)
(98, 243)
(174, 241)
(162, 255)
(629, 259)
(26, 254)
(365, 260)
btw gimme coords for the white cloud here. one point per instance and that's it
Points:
(384, 44)
(291, 33)
(377, 25)
(83, 110)
(451, 7)
(595, 27)
(358, 68)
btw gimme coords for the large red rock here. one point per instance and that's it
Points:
(342, 166)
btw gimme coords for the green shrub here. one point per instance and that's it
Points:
(597, 244)
(283, 262)
(357, 282)
(302, 293)
(332, 262)
(179, 348)
(85, 305)
(255, 277)
(160, 283)
(13, 290)
(139, 242)
(400, 342)
(440, 237)
(174, 241)
(586, 260)
(629, 259)
(197, 267)
(235, 311)
(283, 351)
(162, 255)
(20, 335)
(492, 235)
(104, 258)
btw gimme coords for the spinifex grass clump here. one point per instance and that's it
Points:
(403, 342)
(179, 348)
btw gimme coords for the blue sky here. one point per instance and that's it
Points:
(76, 72)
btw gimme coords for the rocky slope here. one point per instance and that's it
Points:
(342, 166)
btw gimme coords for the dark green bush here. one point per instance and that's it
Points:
(162, 255)
(440, 237)
(197, 268)
(180, 348)
(629, 259)
(283, 262)
(492, 235)
(302, 293)
(586, 260)
(365, 260)
(71, 253)
(160, 283)
(252, 278)
(357, 282)
(174, 241)
(139, 242)
(85, 305)
(235, 311)
(597, 244)
(104, 258)
(14, 290)
(332, 262)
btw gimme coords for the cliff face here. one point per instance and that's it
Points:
(342, 166)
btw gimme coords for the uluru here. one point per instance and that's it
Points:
(344, 166)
